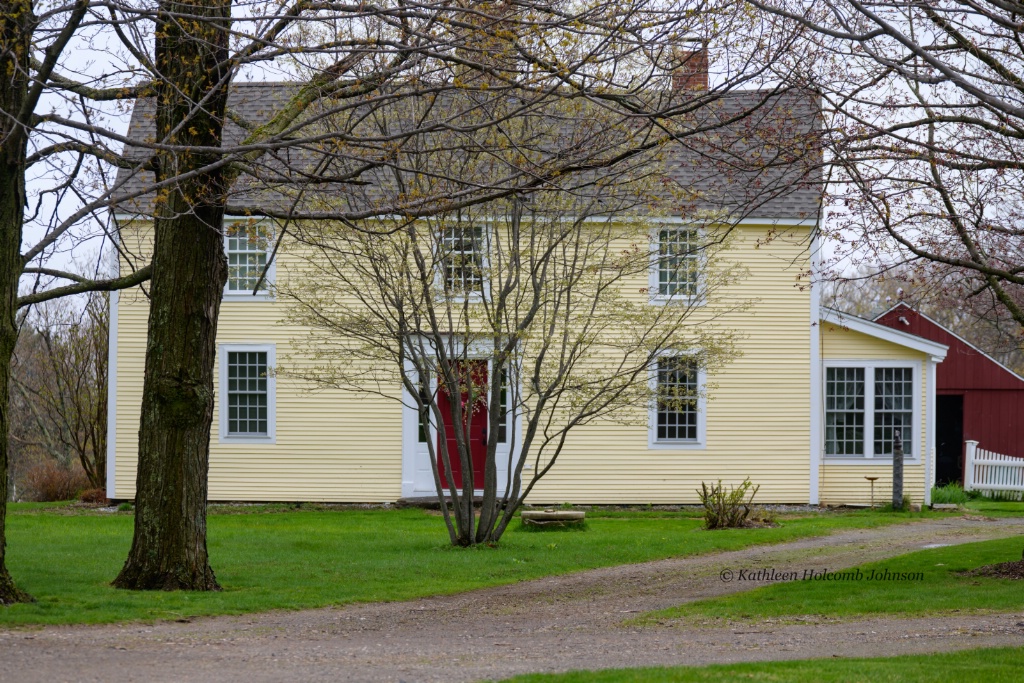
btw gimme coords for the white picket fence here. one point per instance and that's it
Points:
(987, 471)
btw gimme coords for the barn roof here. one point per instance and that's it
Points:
(980, 370)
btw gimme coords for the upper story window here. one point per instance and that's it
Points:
(676, 271)
(462, 260)
(247, 392)
(865, 406)
(676, 263)
(247, 246)
(678, 416)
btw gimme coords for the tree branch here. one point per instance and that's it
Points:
(83, 285)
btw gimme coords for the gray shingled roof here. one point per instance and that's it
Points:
(756, 165)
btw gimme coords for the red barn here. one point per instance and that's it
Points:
(977, 398)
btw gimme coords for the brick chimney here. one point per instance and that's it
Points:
(691, 70)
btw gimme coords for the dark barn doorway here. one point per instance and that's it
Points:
(949, 439)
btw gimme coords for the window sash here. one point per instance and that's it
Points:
(844, 411)
(247, 394)
(246, 247)
(894, 409)
(462, 259)
(503, 412)
(677, 393)
(678, 262)
(857, 427)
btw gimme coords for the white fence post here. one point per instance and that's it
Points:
(972, 447)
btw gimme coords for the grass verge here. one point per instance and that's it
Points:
(996, 508)
(991, 665)
(310, 558)
(918, 583)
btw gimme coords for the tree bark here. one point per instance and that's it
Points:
(16, 20)
(189, 272)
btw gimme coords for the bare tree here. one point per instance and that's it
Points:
(52, 185)
(509, 325)
(928, 123)
(67, 393)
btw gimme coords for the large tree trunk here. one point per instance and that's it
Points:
(15, 34)
(189, 272)
(9, 593)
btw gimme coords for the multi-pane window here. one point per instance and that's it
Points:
(424, 427)
(844, 411)
(856, 425)
(678, 262)
(462, 258)
(677, 393)
(246, 248)
(503, 407)
(894, 408)
(247, 393)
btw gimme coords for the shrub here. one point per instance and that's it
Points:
(124, 507)
(94, 496)
(726, 509)
(50, 481)
(949, 494)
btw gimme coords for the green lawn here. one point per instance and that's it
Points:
(984, 666)
(996, 508)
(939, 588)
(310, 558)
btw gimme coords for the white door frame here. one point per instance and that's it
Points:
(417, 473)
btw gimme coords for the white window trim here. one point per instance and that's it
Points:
(485, 267)
(653, 284)
(869, 457)
(653, 443)
(222, 360)
(271, 277)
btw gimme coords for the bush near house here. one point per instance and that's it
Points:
(50, 481)
(950, 494)
(727, 509)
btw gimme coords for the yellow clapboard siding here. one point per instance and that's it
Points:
(846, 484)
(346, 447)
(339, 446)
(842, 484)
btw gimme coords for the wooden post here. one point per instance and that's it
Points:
(971, 448)
(897, 470)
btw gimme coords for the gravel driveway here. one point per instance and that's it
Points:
(554, 624)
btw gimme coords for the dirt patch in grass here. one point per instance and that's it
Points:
(1003, 570)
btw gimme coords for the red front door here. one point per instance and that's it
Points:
(474, 417)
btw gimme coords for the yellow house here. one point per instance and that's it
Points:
(807, 409)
